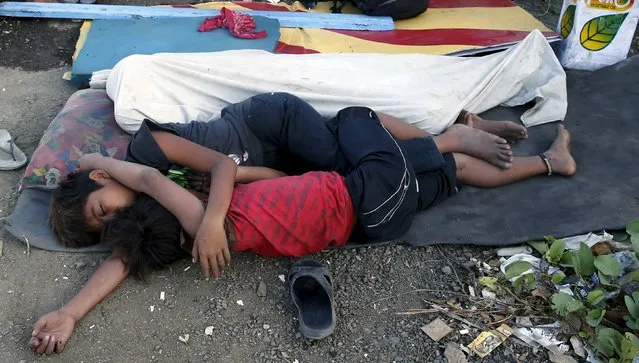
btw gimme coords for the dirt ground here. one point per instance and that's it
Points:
(372, 284)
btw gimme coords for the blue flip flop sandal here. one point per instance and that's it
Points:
(312, 293)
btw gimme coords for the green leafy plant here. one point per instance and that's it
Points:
(632, 303)
(607, 265)
(629, 348)
(595, 317)
(633, 230)
(595, 297)
(604, 279)
(563, 304)
(517, 268)
(180, 177)
(527, 281)
(540, 246)
(489, 282)
(595, 283)
(556, 250)
(558, 277)
(607, 341)
(583, 261)
(618, 347)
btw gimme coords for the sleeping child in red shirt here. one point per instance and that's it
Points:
(375, 199)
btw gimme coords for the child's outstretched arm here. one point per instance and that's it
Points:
(53, 330)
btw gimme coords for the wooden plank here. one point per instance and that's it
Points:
(287, 19)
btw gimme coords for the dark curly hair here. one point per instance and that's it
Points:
(147, 235)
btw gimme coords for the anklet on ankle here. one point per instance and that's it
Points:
(544, 158)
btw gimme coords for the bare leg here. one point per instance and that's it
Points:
(479, 144)
(507, 129)
(476, 172)
(458, 138)
(400, 129)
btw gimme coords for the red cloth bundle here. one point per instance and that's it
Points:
(238, 24)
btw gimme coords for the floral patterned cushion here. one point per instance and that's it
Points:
(85, 125)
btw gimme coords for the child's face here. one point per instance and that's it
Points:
(105, 202)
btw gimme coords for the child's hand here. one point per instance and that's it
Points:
(52, 332)
(89, 161)
(211, 249)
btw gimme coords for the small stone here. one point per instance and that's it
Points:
(487, 294)
(79, 265)
(437, 329)
(560, 358)
(184, 339)
(261, 289)
(453, 354)
(578, 346)
(447, 270)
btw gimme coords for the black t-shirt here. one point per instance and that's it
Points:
(228, 135)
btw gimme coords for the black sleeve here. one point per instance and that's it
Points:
(143, 149)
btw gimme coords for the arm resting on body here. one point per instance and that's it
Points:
(179, 201)
(210, 247)
(201, 182)
(249, 174)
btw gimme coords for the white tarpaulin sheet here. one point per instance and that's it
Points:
(426, 90)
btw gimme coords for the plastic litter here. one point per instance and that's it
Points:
(487, 341)
(542, 335)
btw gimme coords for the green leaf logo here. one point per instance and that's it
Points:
(599, 32)
(568, 20)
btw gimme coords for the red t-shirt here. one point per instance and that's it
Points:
(293, 215)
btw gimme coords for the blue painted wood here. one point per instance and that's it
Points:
(109, 41)
(114, 12)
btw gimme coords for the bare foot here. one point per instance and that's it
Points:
(561, 160)
(480, 144)
(506, 129)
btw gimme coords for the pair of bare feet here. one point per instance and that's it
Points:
(489, 141)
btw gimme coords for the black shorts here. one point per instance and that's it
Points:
(438, 185)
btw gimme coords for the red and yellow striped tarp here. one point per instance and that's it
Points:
(447, 27)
